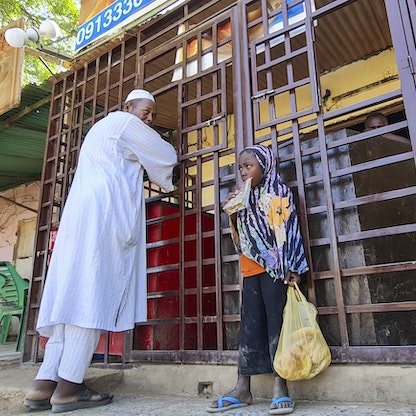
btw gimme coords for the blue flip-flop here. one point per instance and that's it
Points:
(282, 410)
(235, 403)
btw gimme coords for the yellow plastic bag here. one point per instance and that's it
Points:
(302, 351)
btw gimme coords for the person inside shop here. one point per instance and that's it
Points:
(376, 120)
(266, 233)
(96, 279)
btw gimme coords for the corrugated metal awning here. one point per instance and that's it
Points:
(22, 137)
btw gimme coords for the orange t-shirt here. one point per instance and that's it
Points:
(250, 267)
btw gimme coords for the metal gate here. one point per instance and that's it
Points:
(202, 296)
(355, 189)
(228, 74)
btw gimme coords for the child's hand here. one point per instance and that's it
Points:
(290, 278)
(233, 216)
(231, 195)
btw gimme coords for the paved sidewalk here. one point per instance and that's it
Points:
(130, 401)
(147, 404)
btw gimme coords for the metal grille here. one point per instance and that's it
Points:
(354, 200)
(188, 281)
(226, 75)
(79, 100)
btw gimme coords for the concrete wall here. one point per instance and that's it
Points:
(346, 383)
(18, 218)
(18, 226)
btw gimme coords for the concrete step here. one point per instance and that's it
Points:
(186, 390)
(166, 389)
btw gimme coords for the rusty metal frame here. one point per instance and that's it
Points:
(207, 84)
(78, 100)
(346, 351)
(92, 89)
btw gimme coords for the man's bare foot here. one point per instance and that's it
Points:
(41, 390)
(39, 394)
(68, 392)
(86, 398)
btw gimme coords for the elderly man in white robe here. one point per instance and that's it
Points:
(96, 279)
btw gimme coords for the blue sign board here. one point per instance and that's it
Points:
(108, 19)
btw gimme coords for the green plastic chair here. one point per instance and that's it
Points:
(13, 294)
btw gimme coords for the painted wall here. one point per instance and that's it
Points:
(18, 226)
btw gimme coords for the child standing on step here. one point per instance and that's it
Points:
(267, 235)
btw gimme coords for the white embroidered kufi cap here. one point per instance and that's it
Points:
(136, 94)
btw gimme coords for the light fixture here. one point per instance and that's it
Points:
(17, 37)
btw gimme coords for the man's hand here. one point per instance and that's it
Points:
(176, 175)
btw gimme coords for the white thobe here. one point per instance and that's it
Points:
(97, 274)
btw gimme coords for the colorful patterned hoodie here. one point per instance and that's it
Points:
(268, 229)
